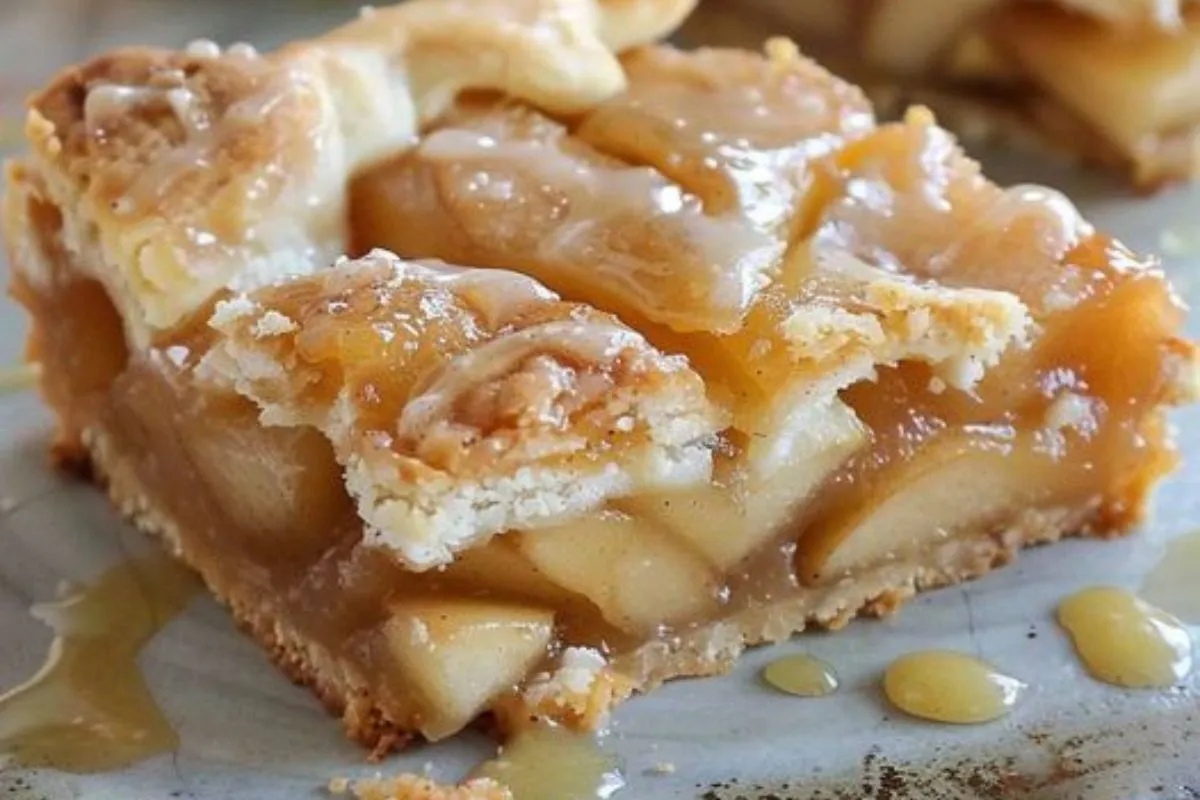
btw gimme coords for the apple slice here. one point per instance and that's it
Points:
(460, 654)
(500, 567)
(773, 478)
(638, 576)
(957, 482)
(281, 485)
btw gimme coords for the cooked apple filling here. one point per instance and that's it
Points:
(639, 355)
(1113, 80)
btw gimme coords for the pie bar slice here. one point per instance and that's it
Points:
(1114, 81)
(517, 390)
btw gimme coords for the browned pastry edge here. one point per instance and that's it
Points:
(709, 651)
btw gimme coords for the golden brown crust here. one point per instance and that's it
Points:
(192, 171)
(461, 402)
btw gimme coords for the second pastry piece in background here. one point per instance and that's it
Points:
(1110, 81)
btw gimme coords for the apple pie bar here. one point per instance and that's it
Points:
(1113, 81)
(490, 357)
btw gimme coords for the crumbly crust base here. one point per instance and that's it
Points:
(711, 650)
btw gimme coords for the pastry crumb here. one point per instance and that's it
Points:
(662, 768)
(416, 787)
(1071, 410)
(579, 694)
(272, 323)
(233, 309)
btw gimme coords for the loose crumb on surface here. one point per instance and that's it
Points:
(416, 787)
(579, 694)
(662, 768)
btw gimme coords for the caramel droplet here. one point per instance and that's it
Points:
(945, 686)
(801, 675)
(1123, 640)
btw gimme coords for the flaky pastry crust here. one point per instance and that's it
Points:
(463, 403)
(194, 171)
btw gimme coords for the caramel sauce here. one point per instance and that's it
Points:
(801, 675)
(88, 708)
(1171, 584)
(945, 686)
(1125, 641)
(548, 762)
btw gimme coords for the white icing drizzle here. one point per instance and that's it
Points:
(727, 258)
(187, 110)
(1069, 227)
(203, 48)
(108, 101)
(596, 343)
(242, 50)
(497, 294)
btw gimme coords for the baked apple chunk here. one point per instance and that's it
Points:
(518, 390)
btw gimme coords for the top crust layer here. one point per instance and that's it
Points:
(463, 402)
(190, 172)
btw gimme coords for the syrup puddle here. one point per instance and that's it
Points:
(1172, 585)
(543, 762)
(801, 675)
(945, 686)
(19, 378)
(1182, 241)
(88, 709)
(1125, 641)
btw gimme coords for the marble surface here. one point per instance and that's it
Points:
(247, 733)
